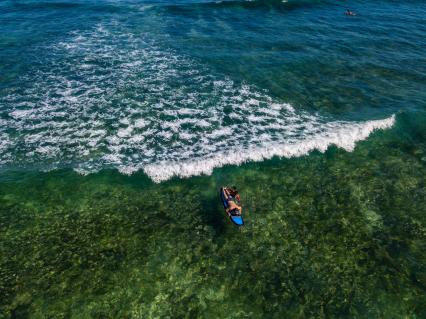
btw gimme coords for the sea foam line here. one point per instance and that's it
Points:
(344, 137)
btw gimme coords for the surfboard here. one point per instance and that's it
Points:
(236, 220)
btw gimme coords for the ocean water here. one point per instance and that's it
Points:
(121, 119)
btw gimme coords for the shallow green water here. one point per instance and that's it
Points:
(328, 235)
(115, 125)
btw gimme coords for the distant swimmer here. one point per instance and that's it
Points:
(350, 13)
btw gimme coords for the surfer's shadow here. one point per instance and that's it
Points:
(213, 215)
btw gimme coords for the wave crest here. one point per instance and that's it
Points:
(344, 136)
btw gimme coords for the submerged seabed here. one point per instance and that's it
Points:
(328, 235)
(115, 125)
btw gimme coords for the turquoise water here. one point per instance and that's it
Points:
(120, 120)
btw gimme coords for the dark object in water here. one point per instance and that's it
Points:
(350, 13)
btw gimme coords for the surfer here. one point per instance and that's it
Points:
(233, 192)
(350, 13)
(233, 208)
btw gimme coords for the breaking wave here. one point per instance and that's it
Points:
(343, 135)
(108, 98)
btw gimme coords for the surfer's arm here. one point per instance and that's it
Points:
(226, 192)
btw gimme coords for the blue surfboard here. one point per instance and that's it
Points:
(237, 220)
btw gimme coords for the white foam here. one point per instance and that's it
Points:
(141, 123)
(345, 137)
(138, 106)
(125, 132)
(17, 114)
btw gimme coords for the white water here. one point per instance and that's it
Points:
(341, 134)
(111, 99)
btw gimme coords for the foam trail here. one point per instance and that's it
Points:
(107, 98)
